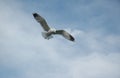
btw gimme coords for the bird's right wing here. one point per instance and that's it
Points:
(42, 21)
(65, 34)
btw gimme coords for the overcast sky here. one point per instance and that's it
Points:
(95, 24)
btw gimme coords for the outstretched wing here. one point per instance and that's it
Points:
(65, 34)
(42, 21)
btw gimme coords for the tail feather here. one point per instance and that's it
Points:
(44, 34)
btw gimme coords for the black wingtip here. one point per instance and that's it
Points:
(72, 38)
(35, 14)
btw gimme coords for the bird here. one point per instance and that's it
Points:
(49, 32)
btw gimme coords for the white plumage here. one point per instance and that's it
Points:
(49, 32)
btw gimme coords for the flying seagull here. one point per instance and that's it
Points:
(49, 32)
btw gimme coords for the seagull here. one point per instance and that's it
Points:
(49, 32)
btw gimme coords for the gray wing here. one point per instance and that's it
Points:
(65, 34)
(42, 21)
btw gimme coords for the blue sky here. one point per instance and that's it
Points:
(24, 53)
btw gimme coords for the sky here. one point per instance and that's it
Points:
(95, 24)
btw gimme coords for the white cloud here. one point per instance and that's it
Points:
(95, 66)
(22, 49)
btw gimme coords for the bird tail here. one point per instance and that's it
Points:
(45, 35)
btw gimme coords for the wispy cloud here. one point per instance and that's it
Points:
(25, 54)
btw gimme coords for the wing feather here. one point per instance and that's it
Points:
(65, 34)
(42, 21)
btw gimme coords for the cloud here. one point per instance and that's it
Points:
(25, 54)
(95, 65)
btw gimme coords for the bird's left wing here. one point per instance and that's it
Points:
(65, 34)
(42, 21)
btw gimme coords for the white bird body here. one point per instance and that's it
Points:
(49, 32)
